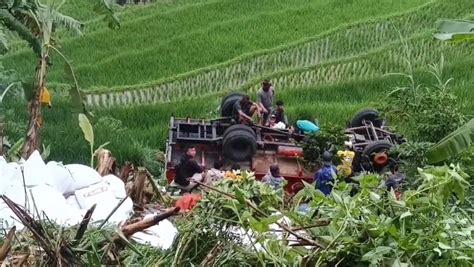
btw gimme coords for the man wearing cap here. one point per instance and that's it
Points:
(265, 97)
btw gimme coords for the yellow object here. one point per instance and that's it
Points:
(233, 175)
(347, 156)
(45, 97)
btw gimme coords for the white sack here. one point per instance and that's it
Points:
(102, 195)
(53, 204)
(83, 176)
(159, 236)
(116, 185)
(59, 177)
(34, 170)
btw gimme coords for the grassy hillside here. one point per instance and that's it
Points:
(341, 42)
(196, 51)
(189, 36)
(135, 131)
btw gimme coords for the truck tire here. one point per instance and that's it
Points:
(374, 147)
(368, 114)
(239, 144)
(240, 127)
(228, 102)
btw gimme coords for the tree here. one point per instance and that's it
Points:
(36, 23)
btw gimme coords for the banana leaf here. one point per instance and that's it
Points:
(456, 142)
(455, 30)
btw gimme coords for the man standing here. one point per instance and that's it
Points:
(265, 97)
(188, 170)
(327, 175)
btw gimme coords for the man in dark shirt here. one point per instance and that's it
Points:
(188, 170)
(279, 113)
(243, 110)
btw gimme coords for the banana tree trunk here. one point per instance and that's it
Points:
(33, 135)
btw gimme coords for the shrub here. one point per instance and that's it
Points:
(424, 113)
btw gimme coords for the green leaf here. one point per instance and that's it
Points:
(369, 181)
(129, 245)
(398, 263)
(258, 226)
(100, 147)
(46, 152)
(405, 214)
(336, 197)
(374, 196)
(272, 219)
(463, 258)
(86, 128)
(443, 246)
(239, 195)
(453, 144)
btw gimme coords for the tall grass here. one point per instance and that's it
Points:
(83, 10)
(188, 38)
(386, 60)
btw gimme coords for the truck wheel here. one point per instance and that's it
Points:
(240, 127)
(228, 102)
(375, 155)
(239, 144)
(368, 114)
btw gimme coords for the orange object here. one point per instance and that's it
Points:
(290, 151)
(45, 97)
(380, 158)
(187, 202)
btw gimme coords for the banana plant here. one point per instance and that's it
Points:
(88, 132)
(455, 31)
(453, 144)
(36, 22)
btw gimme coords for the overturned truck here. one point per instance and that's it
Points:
(255, 147)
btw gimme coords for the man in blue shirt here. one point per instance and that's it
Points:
(326, 176)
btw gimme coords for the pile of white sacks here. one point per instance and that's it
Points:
(64, 193)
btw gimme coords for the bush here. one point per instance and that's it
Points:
(331, 138)
(424, 113)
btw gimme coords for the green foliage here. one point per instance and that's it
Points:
(426, 226)
(413, 155)
(216, 218)
(330, 138)
(462, 139)
(424, 113)
(373, 227)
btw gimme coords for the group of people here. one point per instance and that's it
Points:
(188, 173)
(275, 117)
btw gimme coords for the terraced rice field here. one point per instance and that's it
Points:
(327, 59)
(195, 35)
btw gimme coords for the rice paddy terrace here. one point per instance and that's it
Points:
(326, 58)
